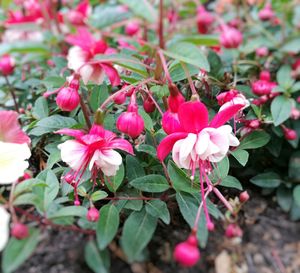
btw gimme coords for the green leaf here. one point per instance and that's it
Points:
(296, 195)
(284, 198)
(150, 183)
(197, 39)
(266, 180)
(98, 195)
(51, 190)
(51, 124)
(292, 46)
(40, 109)
(133, 168)
(231, 182)
(148, 149)
(114, 182)
(98, 96)
(294, 166)
(241, 156)
(105, 15)
(24, 47)
(295, 87)
(177, 73)
(69, 211)
(284, 77)
(255, 140)
(158, 209)
(281, 108)
(137, 232)
(141, 8)
(188, 53)
(98, 261)
(160, 90)
(18, 251)
(222, 168)
(107, 226)
(188, 207)
(179, 179)
(147, 120)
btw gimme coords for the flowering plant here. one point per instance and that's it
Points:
(113, 114)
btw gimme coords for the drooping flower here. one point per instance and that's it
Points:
(79, 15)
(14, 148)
(80, 57)
(94, 150)
(231, 97)
(204, 19)
(7, 65)
(4, 227)
(266, 13)
(200, 143)
(264, 85)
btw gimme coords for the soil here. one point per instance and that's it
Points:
(271, 244)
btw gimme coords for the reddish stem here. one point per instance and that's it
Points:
(161, 25)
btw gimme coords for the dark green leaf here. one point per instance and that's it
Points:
(255, 140)
(40, 109)
(98, 261)
(266, 180)
(241, 156)
(296, 195)
(114, 182)
(231, 182)
(159, 209)
(133, 168)
(281, 108)
(284, 198)
(150, 183)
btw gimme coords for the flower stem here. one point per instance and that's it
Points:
(85, 112)
(192, 86)
(12, 92)
(161, 24)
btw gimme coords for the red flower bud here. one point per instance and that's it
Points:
(289, 134)
(19, 231)
(233, 230)
(265, 75)
(262, 87)
(170, 122)
(187, 253)
(231, 37)
(262, 51)
(149, 105)
(120, 98)
(132, 28)
(204, 20)
(244, 196)
(67, 99)
(7, 65)
(92, 215)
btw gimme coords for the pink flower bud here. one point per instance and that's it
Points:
(244, 196)
(266, 13)
(261, 87)
(19, 231)
(170, 122)
(132, 28)
(92, 215)
(254, 124)
(130, 122)
(210, 226)
(76, 203)
(149, 105)
(67, 99)
(24, 177)
(75, 17)
(233, 230)
(265, 75)
(7, 65)
(231, 37)
(204, 20)
(262, 51)
(69, 178)
(296, 64)
(295, 113)
(175, 101)
(289, 134)
(120, 98)
(187, 253)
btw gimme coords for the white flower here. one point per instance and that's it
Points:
(4, 227)
(13, 161)
(210, 144)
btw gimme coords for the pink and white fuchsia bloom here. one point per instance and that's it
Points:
(14, 148)
(81, 57)
(199, 143)
(94, 150)
(231, 97)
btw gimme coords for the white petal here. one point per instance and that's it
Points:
(86, 72)
(13, 161)
(108, 161)
(73, 153)
(202, 142)
(4, 227)
(76, 58)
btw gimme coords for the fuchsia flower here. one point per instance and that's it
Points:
(232, 97)
(130, 122)
(263, 86)
(14, 148)
(230, 37)
(81, 57)
(204, 20)
(266, 13)
(7, 65)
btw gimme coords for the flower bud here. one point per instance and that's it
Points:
(19, 231)
(210, 226)
(67, 99)
(261, 87)
(92, 215)
(7, 65)
(24, 177)
(231, 37)
(262, 51)
(266, 13)
(254, 124)
(132, 28)
(204, 20)
(187, 253)
(170, 122)
(265, 75)
(149, 105)
(289, 134)
(244, 196)
(120, 98)
(130, 122)
(77, 203)
(75, 17)
(233, 230)
(295, 114)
